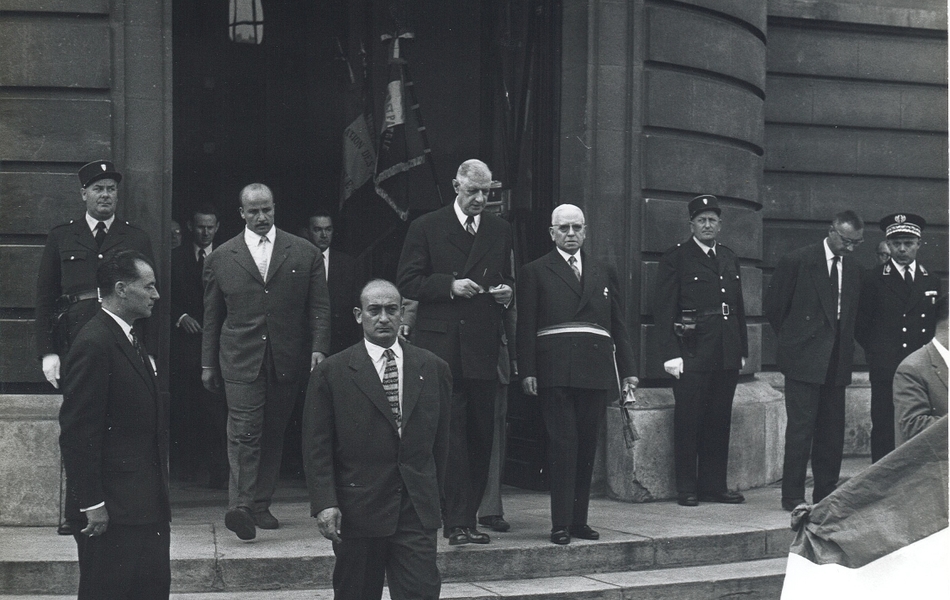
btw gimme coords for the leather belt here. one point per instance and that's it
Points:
(74, 298)
(724, 310)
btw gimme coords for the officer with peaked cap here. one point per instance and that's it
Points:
(896, 315)
(701, 333)
(66, 292)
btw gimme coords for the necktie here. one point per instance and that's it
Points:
(138, 348)
(201, 263)
(100, 234)
(262, 257)
(573, 262)
(470, 225)
(908, 278)
(711, 254)
(391, 385)
(833, 277)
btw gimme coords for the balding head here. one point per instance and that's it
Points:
(568, 228)
(380, 312)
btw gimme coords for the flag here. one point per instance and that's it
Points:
(883, 534)
(402, 146)
(359, 149)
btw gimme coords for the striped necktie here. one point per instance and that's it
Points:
(391, 385)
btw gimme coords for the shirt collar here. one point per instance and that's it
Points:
(828, 253)
(251, 238)
(704, 247)
(912, 266)
(326, 254)
(125, 326)
(942, 351)
(376, 351)
(92, 222)
(567, 256)
(462, 217)
(207, 249)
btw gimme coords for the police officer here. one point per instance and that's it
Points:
(701, 331)
(896, 315)
(66, 293)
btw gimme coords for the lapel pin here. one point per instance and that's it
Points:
(605, 292)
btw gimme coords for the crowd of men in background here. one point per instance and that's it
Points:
(404, 412)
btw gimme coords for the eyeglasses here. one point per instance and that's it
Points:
(577, 228)
(849, 242)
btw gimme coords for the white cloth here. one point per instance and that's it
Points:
(261, 253)
(706, 248)
(567, 257)
(326, 263)
(379, 361)
(829, 256)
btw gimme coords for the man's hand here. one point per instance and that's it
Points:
(328, 522)
(674, 367)
(189, 324)
(530, 386)
(98, 521)
(628, 387)
(466, 288)
(211, 379)
(51, 369)
(404, 332)
(316, 358)
(501, 293)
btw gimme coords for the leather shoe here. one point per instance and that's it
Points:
(241, 522)
(687, 499)
(457, 536)
(726, 497)
(477, 537)
(65, 528)
(561, 537)
(495, 523)
(265, 520)
(789, 504)
(584, 532)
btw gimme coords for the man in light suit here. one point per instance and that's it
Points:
(266, 305)
(199, 418)
(920, 384)
(376, 428)
(570, 321)
(456, 263)
(812, 303)
(340, 270)
(114, 441)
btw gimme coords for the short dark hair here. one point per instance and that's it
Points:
(848, 217)
(320, 212)
(120, 267)
(941, 308)
(205, 209)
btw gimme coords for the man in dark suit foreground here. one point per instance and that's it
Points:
(266, 306)
(812, 304)
(570, 321)
(920, 384)
(376, 428)
(340, 270)
(114, 440)
(457, 263)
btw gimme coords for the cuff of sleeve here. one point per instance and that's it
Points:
(100, 505)
(178, 322)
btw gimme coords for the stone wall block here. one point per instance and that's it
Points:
(18, 360)
(680, 101)
(34, 129)
(695, 40)
(18, 268)
(686, 165)
(752, 13)
(32, 203)
(29, 460)
(55, 53)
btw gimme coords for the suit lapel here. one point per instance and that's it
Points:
(115, 237)
(916, 292)
(484, 238)
(282, 245)
(702, 258)
(83, 235)
(242, 256)
(126, 346)
(896, 284)
(939, 365)
(367, 380)
(557, 264)
(412, 382)
(823, 283)
(590, 279)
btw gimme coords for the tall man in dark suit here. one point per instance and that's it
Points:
(114, 440)
(812, 304)
(456, 263)
(266, 305)
(570, 325)
(376, 428)
(896, 315)
(701, 333)
(66, 296)
(920, 383)
(199, 417)
(340, 270)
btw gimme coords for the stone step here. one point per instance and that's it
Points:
(750, 580)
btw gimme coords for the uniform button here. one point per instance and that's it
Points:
(723, 290)
(264, 337)
(904, 345)
(923, 331)
(462, 322)
(903, 329)
(100, 257)
(266, 291)
(923, 316)
(455, 273)
(72, 258)
(725, 318)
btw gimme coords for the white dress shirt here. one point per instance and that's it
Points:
(706, 248)
(462, 217)
(829, 256)
(943, 351)
(253, 242)
(379, 361)
(326, 264)
(912, 267)
(567, 258)
(92, 222)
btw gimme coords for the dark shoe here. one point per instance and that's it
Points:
(265, 520)
(584, 532)
(477, 537)
(65, 528)
(495, 523)
(687, 499)
(457, 536)
(726, 497)
(560, 537)
(241, 522)
(789, 504)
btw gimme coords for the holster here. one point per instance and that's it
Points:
(685, 330)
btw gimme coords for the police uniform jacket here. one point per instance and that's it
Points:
(688, 280)
(68, 266)
(549, 294)
(894, 319)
